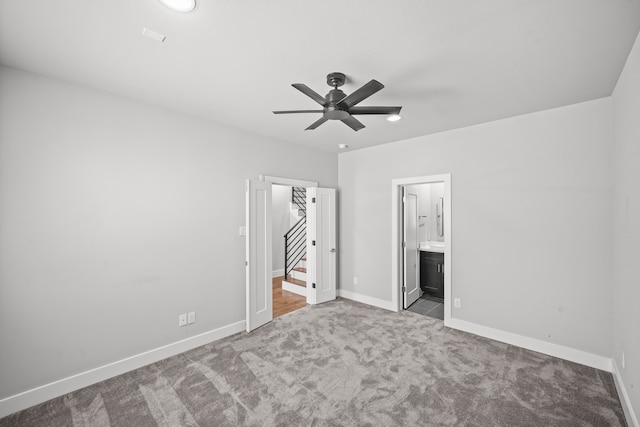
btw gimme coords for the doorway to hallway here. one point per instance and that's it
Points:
(288, 207)
(321, 239)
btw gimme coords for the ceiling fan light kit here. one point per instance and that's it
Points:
(337, 105)
(179, 5)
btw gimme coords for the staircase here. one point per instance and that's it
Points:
(295, 245)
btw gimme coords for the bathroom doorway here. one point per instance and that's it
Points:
(423, 249)
(421, 245)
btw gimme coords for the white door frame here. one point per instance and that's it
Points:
(396, 239)
(291, 182)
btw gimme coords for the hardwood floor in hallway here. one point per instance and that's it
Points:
(284, 301)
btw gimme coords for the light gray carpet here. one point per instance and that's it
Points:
(344, 364)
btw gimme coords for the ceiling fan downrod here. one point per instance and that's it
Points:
(335, 79)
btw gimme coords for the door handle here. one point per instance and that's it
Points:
(333, 250)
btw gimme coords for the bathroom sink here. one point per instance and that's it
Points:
(431, 246)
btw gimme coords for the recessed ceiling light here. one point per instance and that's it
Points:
(343, 146)
(394, 117)
(179, 5)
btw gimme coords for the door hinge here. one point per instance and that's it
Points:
(313, 200)
(404, 199)
(404, 289)
(313, 285)
(246, 263)
(404, 244)
(313, 243)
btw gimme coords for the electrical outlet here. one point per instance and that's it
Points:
(456, 302)
(355, 280)
(182, 320)
(191, 318)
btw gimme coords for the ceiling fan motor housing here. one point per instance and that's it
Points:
(333, 110)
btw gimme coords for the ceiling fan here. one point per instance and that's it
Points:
(337, 105)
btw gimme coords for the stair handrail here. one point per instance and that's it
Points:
(295, 245)
(299, 198)
(295, 240)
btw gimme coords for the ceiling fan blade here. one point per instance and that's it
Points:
(353, 123)
(298, 111)
(317, 123)
(361, 94)
(310, 93)
(375, 110)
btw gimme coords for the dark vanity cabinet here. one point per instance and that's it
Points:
(432, 273)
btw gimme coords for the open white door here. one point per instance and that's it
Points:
(321, 245)
(411, 286)
(258, 261)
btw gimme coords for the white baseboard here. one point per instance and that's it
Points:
(277, 273)
(629, 414)
(60, 387)
(294, 288)
(556, 350)
(551, 349)
(376, 302)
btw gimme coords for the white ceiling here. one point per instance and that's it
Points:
(449, 63)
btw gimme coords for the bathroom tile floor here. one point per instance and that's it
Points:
(428, 306)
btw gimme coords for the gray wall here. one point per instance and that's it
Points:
(626, 225)
(531, 225)
(116, 217)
